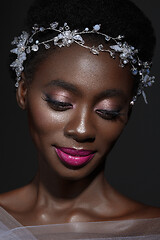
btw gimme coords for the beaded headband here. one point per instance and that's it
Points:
(27, 43)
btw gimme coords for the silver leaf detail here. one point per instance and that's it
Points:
(117, 48)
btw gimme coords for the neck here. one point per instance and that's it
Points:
(51, 187)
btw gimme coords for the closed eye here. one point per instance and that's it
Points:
(108, 114)
(57, 105)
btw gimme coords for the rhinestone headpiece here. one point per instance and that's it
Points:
(27, 43)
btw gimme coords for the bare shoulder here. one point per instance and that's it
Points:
(151, 212)
(128, 208)
(17, 200)
(144, 211)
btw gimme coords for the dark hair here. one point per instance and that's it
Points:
(116, 17)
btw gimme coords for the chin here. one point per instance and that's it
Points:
(72, 173)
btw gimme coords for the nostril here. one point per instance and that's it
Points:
(79, 137)
(82, 140)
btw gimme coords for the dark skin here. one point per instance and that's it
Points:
(94, 88)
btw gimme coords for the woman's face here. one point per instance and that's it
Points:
(77, 101)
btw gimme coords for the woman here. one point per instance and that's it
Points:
(78, 74)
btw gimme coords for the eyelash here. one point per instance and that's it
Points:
(109, 115)
(63, 106)
(57, 105)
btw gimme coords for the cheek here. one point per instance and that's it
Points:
(43, 122)
(115, 130)
(109, 134)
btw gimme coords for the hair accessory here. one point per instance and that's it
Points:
(27, 43)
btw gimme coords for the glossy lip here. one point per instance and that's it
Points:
(74, 157)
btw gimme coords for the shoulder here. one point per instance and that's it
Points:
(131, 209)
(123, 207)
(142, 211)
(17, 200)
(151, 212)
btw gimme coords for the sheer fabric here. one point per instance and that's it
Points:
(145, 229)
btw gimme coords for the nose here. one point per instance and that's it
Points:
(80, 126)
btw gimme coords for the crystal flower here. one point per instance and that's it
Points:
(17, 65)
(126, 51)
(66, 38)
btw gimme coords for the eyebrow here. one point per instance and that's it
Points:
(108, 93)
(65, 85)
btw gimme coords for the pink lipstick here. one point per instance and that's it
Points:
(74, 157)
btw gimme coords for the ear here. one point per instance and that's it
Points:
(21, 94)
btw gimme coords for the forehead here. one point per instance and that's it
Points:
(85, 70)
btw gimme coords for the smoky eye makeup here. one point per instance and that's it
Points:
(106, 109)
(109, 110)
(57, 102)
(109, 114)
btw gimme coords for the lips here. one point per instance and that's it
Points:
(74, 157)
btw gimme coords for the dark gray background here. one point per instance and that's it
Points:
(133, 167)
